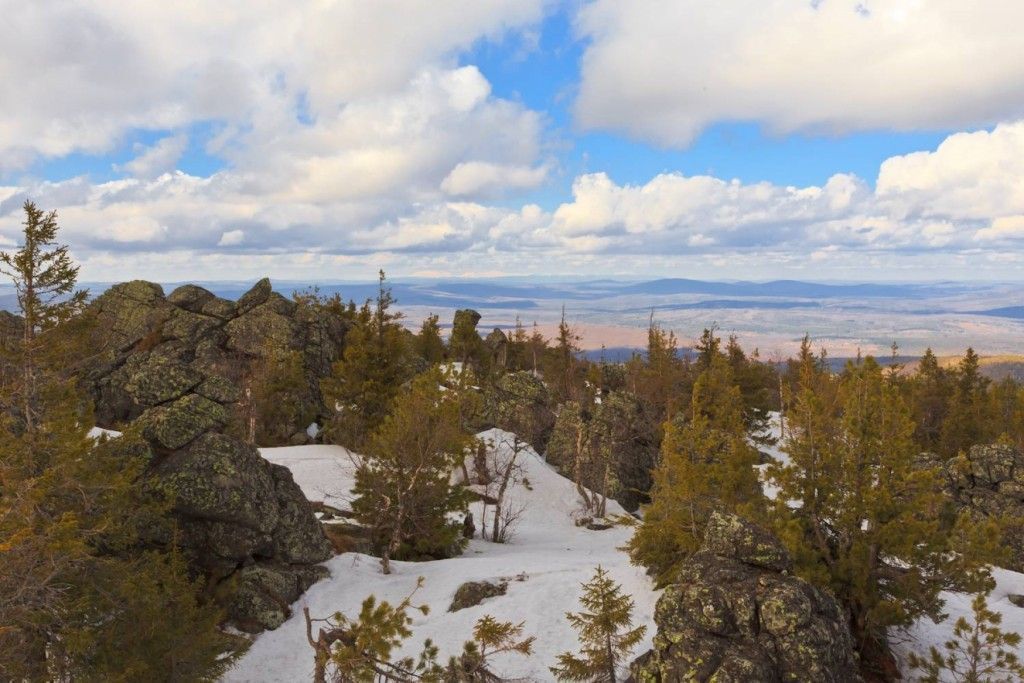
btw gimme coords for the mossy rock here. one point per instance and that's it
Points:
(472, 593)
(176, 424)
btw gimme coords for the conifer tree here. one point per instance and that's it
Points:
(867, 507)
(373, 367)
(930, 399)
(606, 633)
(403, 488)
(979, 651)
(44, 279)
(706, 465)
(561, 370)
(465, 344)
(965, 422)
(429, 342)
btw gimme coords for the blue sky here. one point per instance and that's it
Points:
(826, 140)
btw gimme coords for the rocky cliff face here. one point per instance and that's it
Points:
(735, 614)
(174, 366)
(987, 482)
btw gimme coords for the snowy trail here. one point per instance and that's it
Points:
(552, 554)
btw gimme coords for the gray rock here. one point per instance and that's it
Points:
(264, 593)
(472, 593)
(736, 615)
(988, 481)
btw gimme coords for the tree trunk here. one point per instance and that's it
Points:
(611, 658)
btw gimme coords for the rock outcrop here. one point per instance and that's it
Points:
(735, 614)
(173, 365)
(988, 481)
(150, 346)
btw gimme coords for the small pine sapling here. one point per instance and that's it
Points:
(605, 632)
(978, 651)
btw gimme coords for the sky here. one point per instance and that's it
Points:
(871, 140)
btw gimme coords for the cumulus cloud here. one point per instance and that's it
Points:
(482, 177)
(962, 200)
(159, 158)
(663, 71)
(76, 76)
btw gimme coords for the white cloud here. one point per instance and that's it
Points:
(157, 159)
(76, 76)
(231, 238)
(663, 71)
(481, 178)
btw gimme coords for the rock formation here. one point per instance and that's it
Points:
(173, 365)
(988, 481)
(735, 614)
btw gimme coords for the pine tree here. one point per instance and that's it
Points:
(490, 637)
(930, 399)
(964, 425)
(403, 488)
(44, 279)
(979, 651)
(867, 507)
(605, 632)
(429, 343)
(465, 344)
(370, 373)
(561, 369)
(706, 465)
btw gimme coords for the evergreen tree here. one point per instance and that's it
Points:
(44, 279)
(707, 464)
(562, 367)
(403, 488)
(979, 651)
(867, 508)
(429, 343)
(465, 344)
(930, 399)
(605, 631)
(965, 423)
(80, 597)
(374, 366)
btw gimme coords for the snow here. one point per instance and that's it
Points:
(98, 432)
(925, 633)
(546, 560)
(547, 550)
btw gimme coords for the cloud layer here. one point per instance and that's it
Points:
(664, 71)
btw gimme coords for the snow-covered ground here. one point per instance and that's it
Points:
(545, 562)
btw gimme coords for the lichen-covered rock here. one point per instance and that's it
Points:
(263, 594)
(196, 334)
(988, 481)
(472, 593)
(175, 425)
(735, 614)
(177, 364)
(520, 402)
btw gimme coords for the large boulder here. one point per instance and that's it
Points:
(177, 365)
(988, 482)
(736, 614)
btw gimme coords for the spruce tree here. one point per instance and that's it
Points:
(44, 279)
(857, 507)
(373, 367)
(429, 343)
(606, 633)
(403, 488)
